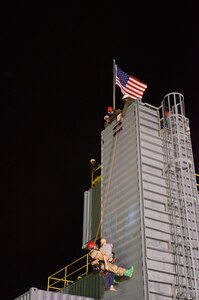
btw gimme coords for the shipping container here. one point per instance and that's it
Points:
(36, 294)
(91, 285)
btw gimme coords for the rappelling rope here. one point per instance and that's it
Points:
(108, 184)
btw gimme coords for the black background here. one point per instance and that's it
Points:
(56, 83)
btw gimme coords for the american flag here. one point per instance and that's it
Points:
(129, 85)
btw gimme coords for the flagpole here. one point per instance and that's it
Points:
(114, 80)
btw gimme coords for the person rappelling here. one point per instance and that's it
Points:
(100, 261)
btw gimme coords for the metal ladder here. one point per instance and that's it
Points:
(182, 195)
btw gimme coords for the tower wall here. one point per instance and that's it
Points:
(150, 203)
(122, 222)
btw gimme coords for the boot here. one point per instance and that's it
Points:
(129, 272)
(116, 279)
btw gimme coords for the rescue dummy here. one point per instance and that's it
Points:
(107, 250)
(109, 278)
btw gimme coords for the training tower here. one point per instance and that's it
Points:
(146, 204)
(149, 201)
(151, 213)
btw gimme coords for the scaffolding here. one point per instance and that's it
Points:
(182, 195)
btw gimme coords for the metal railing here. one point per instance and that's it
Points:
(197, 175)
(95, 176)
(69, 274)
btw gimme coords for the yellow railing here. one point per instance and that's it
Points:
(197, 175)
(95, 176)
(67, 275)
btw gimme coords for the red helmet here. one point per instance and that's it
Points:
(166, 113)
(90, 245)
(109, 109)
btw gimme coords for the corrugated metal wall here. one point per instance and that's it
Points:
(89, 286)
(91, 213)
(36, 294)
(87, 212)
(96, 209)
(137, 217)
(122, 222)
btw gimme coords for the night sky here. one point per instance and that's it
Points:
(56, 83)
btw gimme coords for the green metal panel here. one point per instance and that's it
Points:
(96, 209)
(122, 218)
(91, 286)
(91, 214)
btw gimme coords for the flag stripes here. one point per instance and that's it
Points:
(129, 85)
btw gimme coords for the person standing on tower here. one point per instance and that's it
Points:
(95, 172)
(113, 114)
